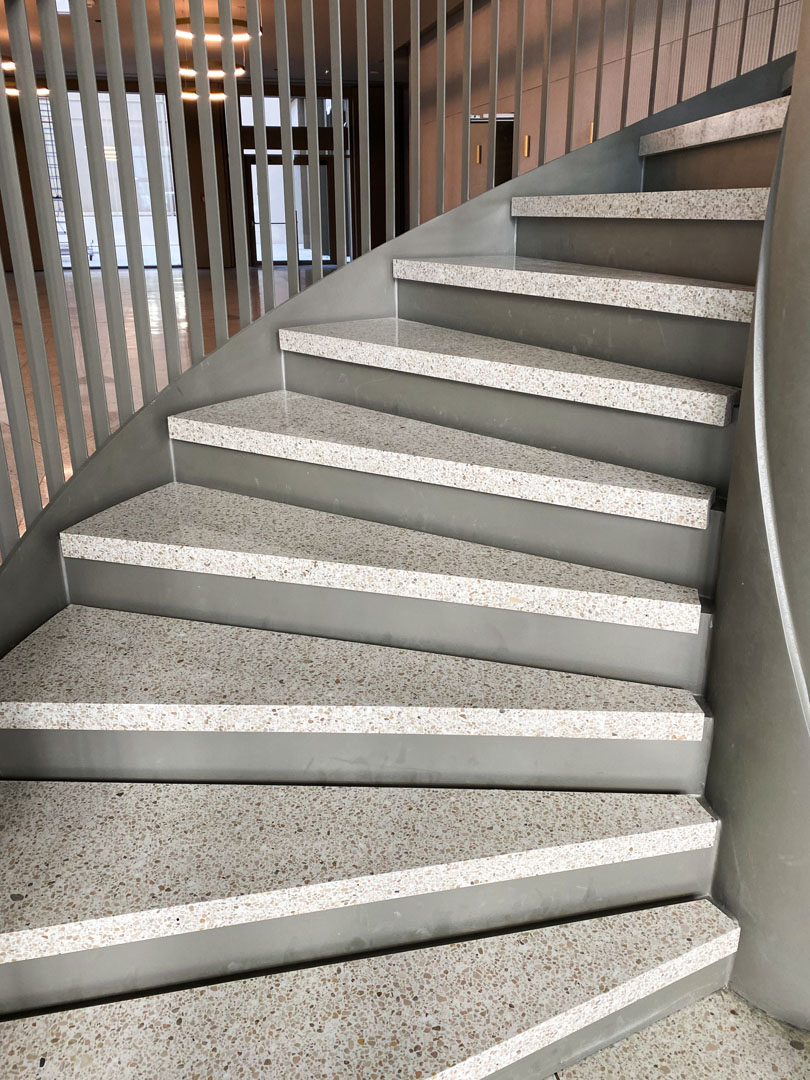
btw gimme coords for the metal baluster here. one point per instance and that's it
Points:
(390, 147)
(547, 41)
(129, 198)
(659, 15)
(285, 110)
(182, 183)
(774, 25)
(254, 26)
(687, 18)
(415, 118)
(157, 191)
(9, 533)
(362, 125)
(743, 36)
(600, 63)
(338, 146)
(572, 75)
(628, 58)
(466, 89)
(713, 43)
(492, 125)
(441, 100)
(520, 37)
(46, 228)
(313, 146)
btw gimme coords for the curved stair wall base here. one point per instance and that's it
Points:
(138, 457)
(759, 778)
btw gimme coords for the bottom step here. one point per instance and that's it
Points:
(526, 1003)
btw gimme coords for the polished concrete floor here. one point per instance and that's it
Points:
(281, 283)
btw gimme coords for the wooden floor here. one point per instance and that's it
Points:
(281, 283)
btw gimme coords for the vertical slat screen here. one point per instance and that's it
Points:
(415, 113)
(338, 145)
(659, 16)
(743, 35)
(313, 146)
(547, 43)
(687, 19)
(600, 64)
(492, 126)
(774, 25)
(441, 99)
(28, 300)
(362, 126)
(572, 75)
(9, 534)
(254, 27)
(14, 396)
(102, 210)
(182, 182)
(712, 44)
(74, 218)
(209, 173)
(287, 167)
(157, 197)
(129, 199)
(520, 36)
(628, 59)
(47, 232)
(236, 181)
(466, 94)
(390, 146)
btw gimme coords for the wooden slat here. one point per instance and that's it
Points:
(102, 211)
(157, 193)
(260, 144)
(285, 109)
(520, 38)
(572, 75)
(313, 147)
(338, 144)
(362, 126)
(466, 92)
(129, 199)
(415, 120)
(182, 182)
(44, 211)
(441, 100)
(209, 173)
(494, 48)
(28, 300)
(390, 145)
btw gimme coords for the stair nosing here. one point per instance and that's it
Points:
(719, 204)
(710, 129)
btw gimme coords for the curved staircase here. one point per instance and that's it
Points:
(375, 741)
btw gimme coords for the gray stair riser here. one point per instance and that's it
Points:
(588, 648)
(709, 250)
(745, 162)
(347, 931)
(671, 553)
(618, 1025)
(699, 348)
(412, 760)
(678, 448)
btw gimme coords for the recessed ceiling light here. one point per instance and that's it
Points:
(8, 65)
(218, 95)
(12, 91)
(187, 73)
(42, 91)
(188, 95)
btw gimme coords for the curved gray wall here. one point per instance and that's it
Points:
(759, 776)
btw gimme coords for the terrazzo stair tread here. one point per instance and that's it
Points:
(97, 669)
(755, 119)
(318, 431)
(719, 204)
(205, 530)
(585, 284)
(459, 1012)
(97, 864)
(438, 352)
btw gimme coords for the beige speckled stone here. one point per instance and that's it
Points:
(721, 1037)
(322, 432)
(102, 670)
(585, 284)
(182, 527)
(717, 204)
(737, 124)
(88, 865)
(457, 1011)
(442, 353)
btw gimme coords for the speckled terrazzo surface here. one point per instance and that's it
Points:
(458, 1011)
(90, 668)
(737, 124)
(584, 284)
(322, 432)
(723, 204)
(183, 527)
(721, 1037)
(510, 365)
(207, 855)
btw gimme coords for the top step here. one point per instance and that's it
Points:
(721, 204)
(738, 124)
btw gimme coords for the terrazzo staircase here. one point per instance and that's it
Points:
(392, 699)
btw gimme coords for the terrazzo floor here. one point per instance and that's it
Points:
(511, 365)
(719, 204)
(736, 124)
(183, 527)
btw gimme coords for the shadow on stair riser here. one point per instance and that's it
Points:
(419, 920)
(739, 163)
(589, 648)
(678, 448)
(673, 553)
(412, 760)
